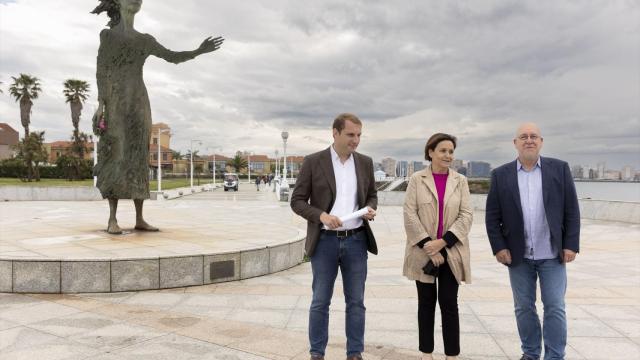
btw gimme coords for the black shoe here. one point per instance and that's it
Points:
(525, 357)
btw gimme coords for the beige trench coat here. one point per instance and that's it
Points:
(421, 221)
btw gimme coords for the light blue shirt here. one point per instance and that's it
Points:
(537, 236)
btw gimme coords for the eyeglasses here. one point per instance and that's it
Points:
(533, 137)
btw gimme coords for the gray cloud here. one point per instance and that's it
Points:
(408, 69)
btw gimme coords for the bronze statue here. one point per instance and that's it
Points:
(123, 118)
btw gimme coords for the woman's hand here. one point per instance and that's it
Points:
(437, 259)
(434, 246)
(209, 45)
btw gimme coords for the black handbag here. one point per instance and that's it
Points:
(431, 269)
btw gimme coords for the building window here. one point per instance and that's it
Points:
(155, 141)
(155, 156)
(164, 156)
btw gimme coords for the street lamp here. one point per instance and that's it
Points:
(249, 166)
(191, 159)
(160, 131)
(214, 163)
(285, 136)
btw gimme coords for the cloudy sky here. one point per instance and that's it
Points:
(408, 69)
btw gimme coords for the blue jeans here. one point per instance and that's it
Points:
(553, 286)
(350, 255)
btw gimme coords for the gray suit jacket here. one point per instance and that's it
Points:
(315, 192)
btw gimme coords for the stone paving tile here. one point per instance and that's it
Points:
(115, 336)
(267, 317)
(155, 300)
(602, 348)
(28, 344)
(172, 346)
(34, 313)
(67, 326)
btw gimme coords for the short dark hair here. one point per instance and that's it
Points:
(436, 139)
(339, 125)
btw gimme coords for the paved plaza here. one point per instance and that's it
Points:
(266, 317)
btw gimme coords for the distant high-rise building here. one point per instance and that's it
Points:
(478, 169)
(389, 166)
(577, 171)
(628, 173)
(602, 166)
(611, 175)
(457, 163)
(416, 166)
(402, 168)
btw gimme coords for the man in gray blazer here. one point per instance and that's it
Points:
(533, 223)
(333, 183)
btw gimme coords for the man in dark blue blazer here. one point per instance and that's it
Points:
(533, 224)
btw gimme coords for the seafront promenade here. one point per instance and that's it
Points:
(265, 317)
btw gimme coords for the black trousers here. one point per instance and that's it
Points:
(446, 294)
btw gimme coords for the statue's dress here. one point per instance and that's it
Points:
(123, 149)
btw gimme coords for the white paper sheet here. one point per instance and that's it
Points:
(354, 215)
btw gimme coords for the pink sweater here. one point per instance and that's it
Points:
(441, 186)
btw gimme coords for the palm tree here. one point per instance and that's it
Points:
(238, 162)
(25, 88)
(76, 92)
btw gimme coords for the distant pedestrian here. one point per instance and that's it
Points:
(257, 183)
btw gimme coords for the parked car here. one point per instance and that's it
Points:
(231, 181)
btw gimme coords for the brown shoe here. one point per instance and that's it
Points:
(355, 357)
(317, 357)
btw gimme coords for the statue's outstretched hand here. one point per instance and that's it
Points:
(210, 44)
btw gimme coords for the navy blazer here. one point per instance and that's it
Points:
(503, 217)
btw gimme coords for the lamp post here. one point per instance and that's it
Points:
(213, 168)
(249, 167)
(160, 131)
(285, 136)
(191, 159)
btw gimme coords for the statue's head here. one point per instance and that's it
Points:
(115, 8)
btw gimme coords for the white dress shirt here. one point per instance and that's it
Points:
(346, 190)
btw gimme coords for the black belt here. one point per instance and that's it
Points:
(341, 234)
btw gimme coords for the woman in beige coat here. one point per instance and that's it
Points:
(437, 220)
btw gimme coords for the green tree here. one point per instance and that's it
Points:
(238, 162)
(176, 155)
(76, 92)
(32, 152)
(24, 89)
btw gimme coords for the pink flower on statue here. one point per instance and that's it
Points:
(102, 125)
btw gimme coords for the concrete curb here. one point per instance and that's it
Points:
(115, 275)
